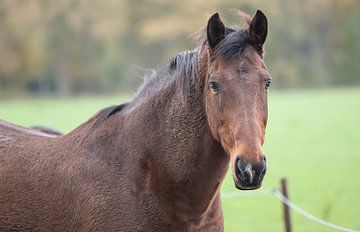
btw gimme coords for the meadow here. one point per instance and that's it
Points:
(313, 139)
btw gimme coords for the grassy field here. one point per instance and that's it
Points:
(313, 139)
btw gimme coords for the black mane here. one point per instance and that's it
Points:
(233, 44)
(183, 66)
(183, 69)
(107, 113)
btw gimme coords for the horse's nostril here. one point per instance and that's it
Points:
(263, 171)
(239, 171)
(244, 171)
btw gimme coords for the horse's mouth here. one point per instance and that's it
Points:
(240, 186)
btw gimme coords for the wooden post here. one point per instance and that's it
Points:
(285, 207)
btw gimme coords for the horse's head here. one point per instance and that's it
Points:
(236, 95)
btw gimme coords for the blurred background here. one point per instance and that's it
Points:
(61, 62)
(74, 47)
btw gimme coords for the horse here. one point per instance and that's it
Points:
(157, 162)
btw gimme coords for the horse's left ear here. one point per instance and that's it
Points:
(258, 29)
(215, 30)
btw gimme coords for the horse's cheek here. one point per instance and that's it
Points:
(226, 139)
(214, 127)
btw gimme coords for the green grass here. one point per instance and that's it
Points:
(313, 139)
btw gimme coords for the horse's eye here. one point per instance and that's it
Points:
(214, 86)
(267, 84)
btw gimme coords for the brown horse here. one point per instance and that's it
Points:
(156, 163)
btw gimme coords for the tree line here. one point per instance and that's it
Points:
(91, 46)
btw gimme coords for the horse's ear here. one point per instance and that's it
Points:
(258, 29)
(215, 30)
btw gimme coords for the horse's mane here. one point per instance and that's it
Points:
(182, 69)
(184, 66)
(106, 113)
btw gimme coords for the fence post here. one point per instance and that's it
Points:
(285, 207)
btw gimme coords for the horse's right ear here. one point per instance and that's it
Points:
(215, 30)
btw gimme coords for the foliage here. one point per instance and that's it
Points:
(93, 46)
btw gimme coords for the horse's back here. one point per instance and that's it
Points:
(34, 193)
(17, 143)
(52, 183)
(7, 128)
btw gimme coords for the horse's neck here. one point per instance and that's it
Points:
(168, 144)
(198, 165)
(181, 157)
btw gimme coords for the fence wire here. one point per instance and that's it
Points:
(277, 193)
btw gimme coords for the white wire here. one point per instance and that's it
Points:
(306, 214)
(277, 193)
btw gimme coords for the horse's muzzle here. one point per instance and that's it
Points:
(248, 175)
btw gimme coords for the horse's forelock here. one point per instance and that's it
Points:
(232, 45)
